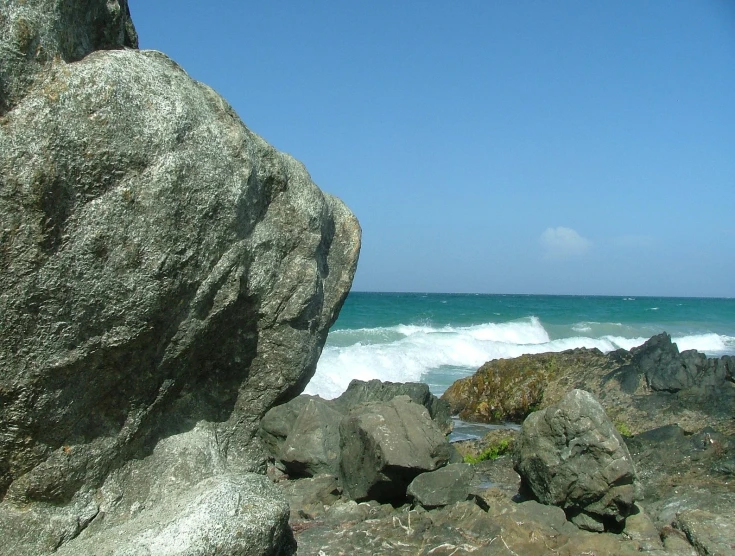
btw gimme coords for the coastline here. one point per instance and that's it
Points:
(439, 338)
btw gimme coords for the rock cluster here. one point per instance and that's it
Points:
(651, 385)
(375, 438)
(166, 277)
(581, 486)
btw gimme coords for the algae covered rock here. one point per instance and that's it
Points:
(510, 389)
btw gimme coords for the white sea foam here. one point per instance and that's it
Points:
(406, 353)
(711, 344)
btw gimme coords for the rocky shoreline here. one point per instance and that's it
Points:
(670, 413)
(167, 284)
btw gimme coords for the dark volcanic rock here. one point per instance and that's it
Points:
(278, 422)
(570, 455)
(442, 487)
(161, 267)
(649, 386)
(303, 433)
(313, 444)
(360, 391)
(668, 370)
(385, 445)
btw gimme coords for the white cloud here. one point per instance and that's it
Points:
(563, 243)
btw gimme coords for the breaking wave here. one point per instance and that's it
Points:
(408, 352)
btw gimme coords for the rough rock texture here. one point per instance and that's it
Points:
(668, 370)
(303, 433)
(278, 422)
(360, 391)
(34, 33)
(160, 265)
(492, 525)
(708, 533)
(442, 487)
(239, 514)
(570, 455)
(385, 445)
(651, 385)
(313, 445)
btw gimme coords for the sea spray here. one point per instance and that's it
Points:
(437, 342)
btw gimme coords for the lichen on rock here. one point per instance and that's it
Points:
(161, 266)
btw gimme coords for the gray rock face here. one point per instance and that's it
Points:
(360, 391)
(570, 455)
(312, 446)
(385, 445)
(442, 487)
(278, 422)
(34, 33)
(160, 265)
(708, 533)
(303, 433)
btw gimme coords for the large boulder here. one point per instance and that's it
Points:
(385, 445)
(278, 422)
(34, 33)
(161, 266)
(666, 369)
(570, 455)
(303, 433)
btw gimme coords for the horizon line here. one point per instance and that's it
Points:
(546, 294)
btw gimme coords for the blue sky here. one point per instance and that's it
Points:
(493, 146)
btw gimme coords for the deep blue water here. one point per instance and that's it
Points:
(437, 338)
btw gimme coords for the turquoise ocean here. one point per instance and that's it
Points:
(438, 338)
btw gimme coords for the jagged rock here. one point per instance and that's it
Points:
(668, 370)
(160, 265)
(303, 434)
(313, 445)
(570, 455)
(385, 445)
(278, 422)
(442, 487)
(650, 386)
(360, 391)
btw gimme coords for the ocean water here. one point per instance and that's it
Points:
(438, 338)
